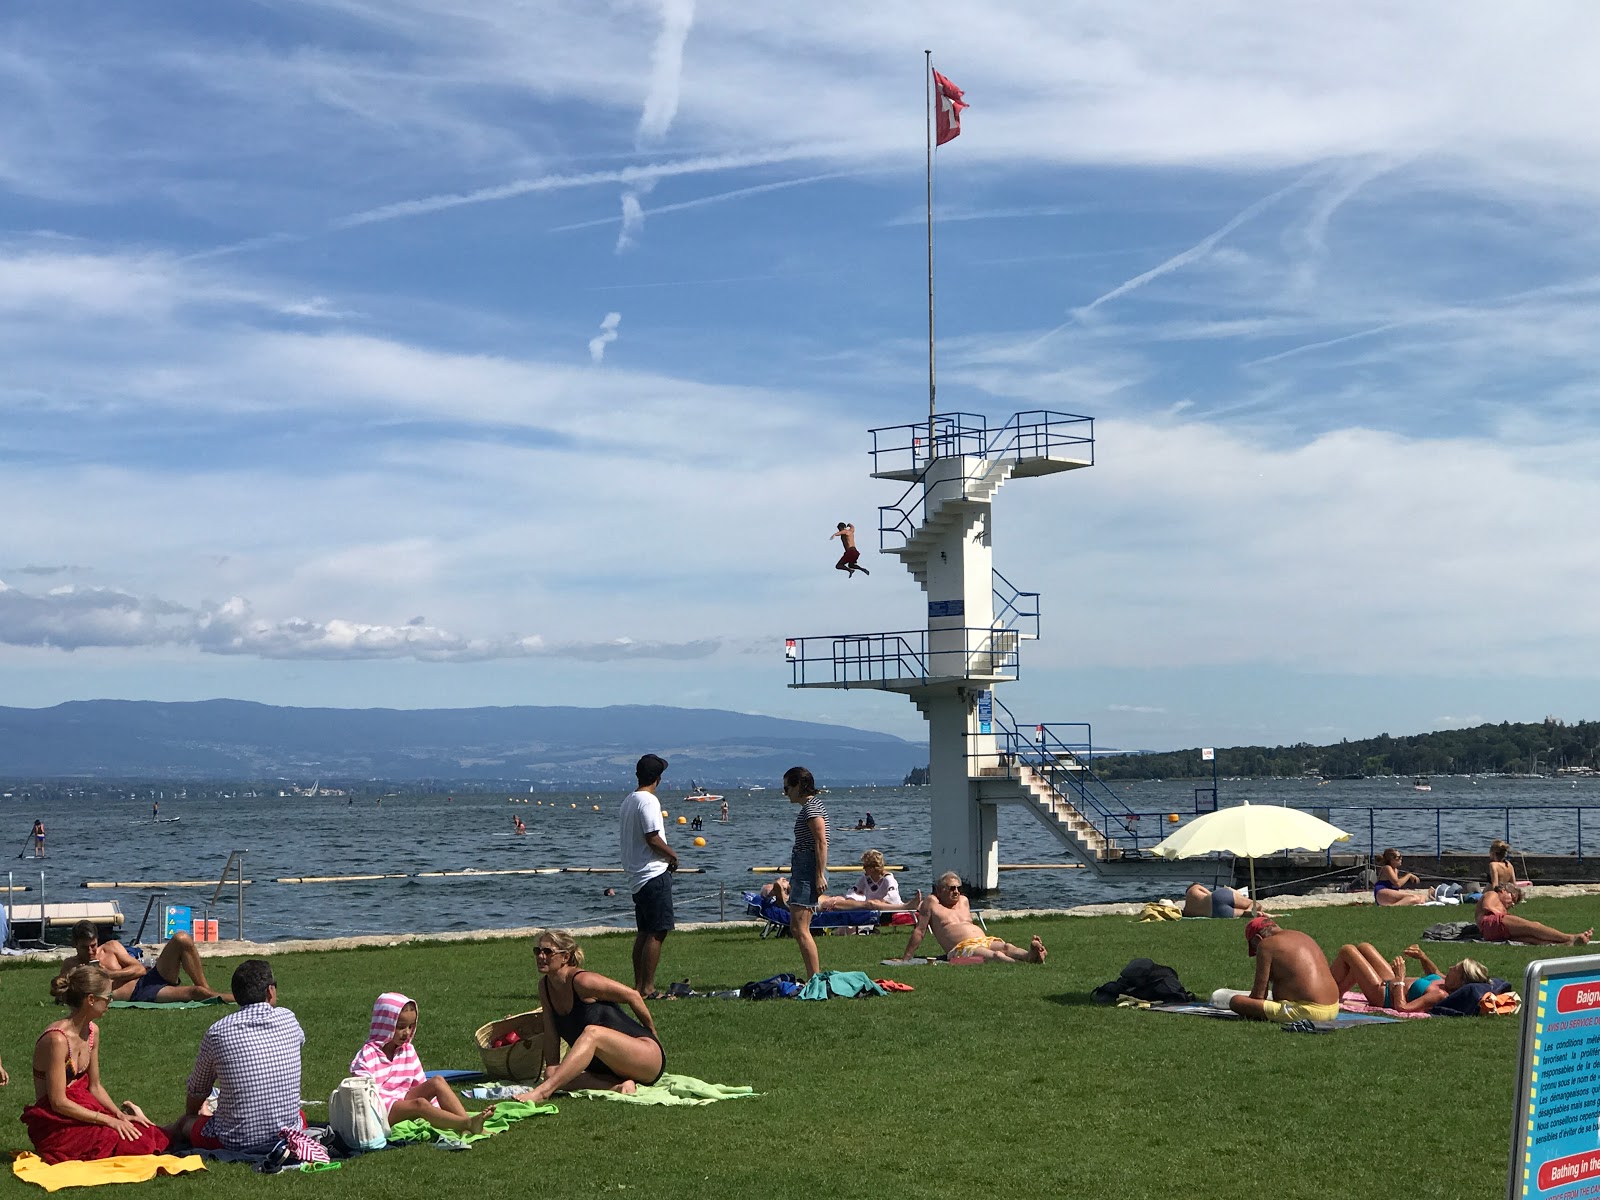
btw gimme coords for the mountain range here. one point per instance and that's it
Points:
(537, 746)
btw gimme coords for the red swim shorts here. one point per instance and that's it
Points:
(1492, 927)
(849, 556)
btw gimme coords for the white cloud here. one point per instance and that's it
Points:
(607, 335)
(666, 70)
(73, 618)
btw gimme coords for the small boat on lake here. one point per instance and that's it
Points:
(1421, 784)
(699, 795)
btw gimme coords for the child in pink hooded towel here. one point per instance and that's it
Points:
(391, 1060)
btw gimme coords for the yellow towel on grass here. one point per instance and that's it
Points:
(124, 1168)
(1161, 910)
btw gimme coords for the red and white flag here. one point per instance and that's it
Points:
(948, 104)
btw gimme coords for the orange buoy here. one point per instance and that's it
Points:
(699, 841)
(683, 820)
(1172, 818)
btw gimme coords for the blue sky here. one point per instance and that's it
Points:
(427, 353)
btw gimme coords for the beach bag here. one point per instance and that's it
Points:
(1144, 980)
(356, 1114)
(778, 987)
(519, 1054)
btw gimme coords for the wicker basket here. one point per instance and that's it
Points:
(521, 1061)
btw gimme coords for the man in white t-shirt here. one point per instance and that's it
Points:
(648, 862)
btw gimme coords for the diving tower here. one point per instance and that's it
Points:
(979, 756)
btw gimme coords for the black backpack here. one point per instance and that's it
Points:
(1144, 980)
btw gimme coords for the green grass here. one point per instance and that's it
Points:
(983, 1080)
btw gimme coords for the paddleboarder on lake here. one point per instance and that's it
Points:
(38, 839)
(850, 560)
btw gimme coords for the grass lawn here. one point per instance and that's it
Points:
(984, 1080)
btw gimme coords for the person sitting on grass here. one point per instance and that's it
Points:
(1500, 868)
(1292, 967)
(1496, 924)
(73, 1118)
(1201, 901)
(1393, 884)
(606, 1048)
(390, 1058)
(253, 1058)
(161, 983)
(948, 915)
(1362, 969)
(882, 895)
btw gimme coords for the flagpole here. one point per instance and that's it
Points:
(927, 128)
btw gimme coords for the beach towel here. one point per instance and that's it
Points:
(894, 985)
(1355, 1002)
(174, 1004)
(506, 1112)
(1346, 1020)
(844, 984)
(671, 1090)
(1161, 910)
(125, 1168)
(1461, 931)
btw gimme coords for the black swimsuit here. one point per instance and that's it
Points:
(604, 1013)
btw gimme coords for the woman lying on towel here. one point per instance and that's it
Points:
(72, 1116)
(606, 1048)
(1362, 969)
(1496, 924)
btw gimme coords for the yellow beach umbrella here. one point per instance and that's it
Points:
(1250, 831)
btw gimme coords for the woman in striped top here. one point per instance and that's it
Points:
(808, 862)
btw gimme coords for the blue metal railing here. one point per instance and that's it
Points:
(1459, 814)
(902, 656)
(1032, 433)
(1036, 433)
(1015, 610)
(1066, 766)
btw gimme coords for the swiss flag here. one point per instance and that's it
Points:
(947, 108)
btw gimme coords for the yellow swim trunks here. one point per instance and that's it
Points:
(1299, 1010)
(970, 946)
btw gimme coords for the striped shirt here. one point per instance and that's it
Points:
(253, 1058)
(394, 1076)
(805, 845)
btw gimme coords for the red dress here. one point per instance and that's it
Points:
(67, 1139)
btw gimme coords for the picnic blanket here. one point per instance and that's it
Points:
(1345, 1020)
(174, 1004)
(505, 1113)
(671, 1090)
(1462, 931)
(1355, 1002)
(124, 1168)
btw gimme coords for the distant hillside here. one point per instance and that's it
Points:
(236, 739)
(1511, 749)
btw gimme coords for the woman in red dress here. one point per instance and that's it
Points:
(72, 1116)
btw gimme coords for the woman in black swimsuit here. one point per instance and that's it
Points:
(606, 1048)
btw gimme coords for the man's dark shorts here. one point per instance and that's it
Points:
(148, 989)
(652, 905)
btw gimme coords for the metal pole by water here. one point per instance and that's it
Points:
(240, 860)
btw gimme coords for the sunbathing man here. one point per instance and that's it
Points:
(947, 913)
(132, 980)
(1201, 901)
(1294, 969)
(1496, 924)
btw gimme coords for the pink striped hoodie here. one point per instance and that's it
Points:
(397, 1075)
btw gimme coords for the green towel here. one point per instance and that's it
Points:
(174, 1004)
(671, 1089)
(839, 983)
(505, 1112)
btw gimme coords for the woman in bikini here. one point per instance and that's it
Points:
(606, 1048)
(73, 1117)
(1500, 869)
(1392, 883)
(1496, 924)
(1361, 968)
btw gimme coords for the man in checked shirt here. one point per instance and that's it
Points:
(252, 1057)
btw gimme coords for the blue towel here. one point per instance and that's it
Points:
(844, 984)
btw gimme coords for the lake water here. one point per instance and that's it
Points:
(298, 836)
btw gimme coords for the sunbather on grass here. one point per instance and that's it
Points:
(1383, 981)
(1394, 886)
(1496, 924)
(778, 893)
(606, 1048)
(948, 916)
(1201, 901)
(158, 983)
(390, 1058)
(1292, 967)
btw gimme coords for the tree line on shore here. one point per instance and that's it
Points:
(1507, 748)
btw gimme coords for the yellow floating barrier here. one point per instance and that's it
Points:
(838, 867)
(338, 878)
(468, 872)
(618, 870)
(154, 883)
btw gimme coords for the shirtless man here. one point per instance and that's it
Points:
(132, 980)
(949, 915)
(850, 560)
(1295, 969)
